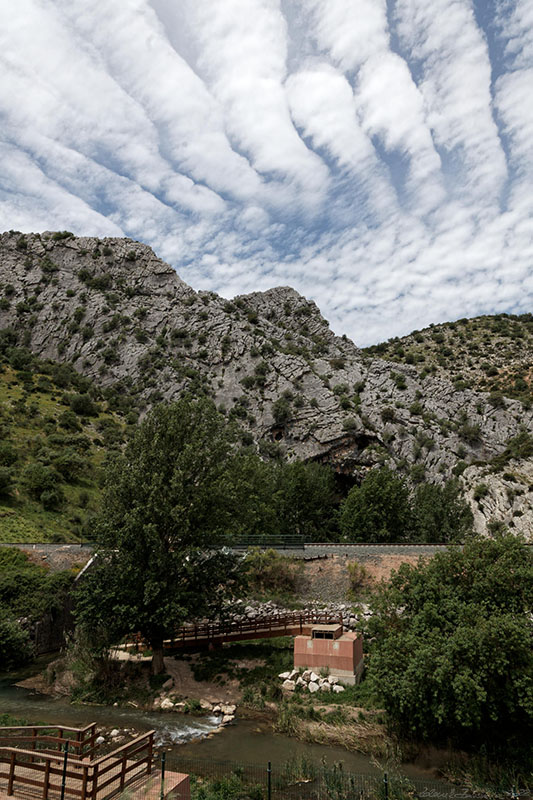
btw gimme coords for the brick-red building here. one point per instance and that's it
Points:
(326, 646)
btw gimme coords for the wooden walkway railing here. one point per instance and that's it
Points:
(289, 623)
(42, 773)
(51, 739)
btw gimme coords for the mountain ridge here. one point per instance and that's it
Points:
(124, 318)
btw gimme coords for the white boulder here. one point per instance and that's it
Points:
(338, 689)
(325, 687)
(288, 685)
(314, 677)
(115, 732)
(100, 740)
(167, 704)
(313, 686)
(284, 675)
(206, 705)
(332, 679)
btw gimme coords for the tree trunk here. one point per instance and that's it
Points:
(158, 664)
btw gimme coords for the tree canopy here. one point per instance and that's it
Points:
(170, 505)
(27, 591)
(452, 657)
(384, 509)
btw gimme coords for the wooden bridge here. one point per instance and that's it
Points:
(214, 634)
(33, 764)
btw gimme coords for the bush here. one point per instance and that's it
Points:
(83, 405)
(481, 491)
(6, 481)
(70, 465)
(51, 499)
(281, 410)
(457, 661)
(8, 454)
(357, 575)
(270, 573)
(69, 421)
(39, 479)
(15, 646)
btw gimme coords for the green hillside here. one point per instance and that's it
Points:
(489, 354)
(55, 432)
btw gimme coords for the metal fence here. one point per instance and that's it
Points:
(302, 779)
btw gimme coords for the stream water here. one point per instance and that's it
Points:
(245, 741)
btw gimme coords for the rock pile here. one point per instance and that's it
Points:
(226, 711)
(351, 615)
(309, 681)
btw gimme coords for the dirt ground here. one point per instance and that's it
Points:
(327, 579)
(186, 685)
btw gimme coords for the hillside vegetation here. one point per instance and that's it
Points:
(489, 354)
(55, 432)
(120, 317)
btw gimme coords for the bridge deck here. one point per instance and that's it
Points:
(215, 634)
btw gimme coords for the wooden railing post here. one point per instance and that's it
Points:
(33, 741)
(84, 782)
(150, 752)
(123, 773)
(46, 782)
(94, 787)
(11, 773)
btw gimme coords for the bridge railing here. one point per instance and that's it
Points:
(83, 778)
(277, 624)
(51, 739)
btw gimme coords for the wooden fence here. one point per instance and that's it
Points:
(42, 772)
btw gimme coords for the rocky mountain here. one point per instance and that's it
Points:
(490, 354)
(125, 319)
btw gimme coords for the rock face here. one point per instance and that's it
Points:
(125, 319)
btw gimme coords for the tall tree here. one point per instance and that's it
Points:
(379, 510)
(305, 500)
(170, 505)
(452, 657)
(440, 513)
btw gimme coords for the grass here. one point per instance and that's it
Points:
(273, 656)
(32, 430)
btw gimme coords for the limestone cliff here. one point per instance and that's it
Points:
(123, 317)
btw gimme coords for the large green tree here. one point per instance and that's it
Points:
(379, 510)
(440, 513)
(171, 503)
(384, 509)
(305, 500)
(452, 657)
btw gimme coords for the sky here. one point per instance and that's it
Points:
(376, 155)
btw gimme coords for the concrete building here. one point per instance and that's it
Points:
(327, 647)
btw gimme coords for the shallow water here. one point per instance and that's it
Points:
(185, 735)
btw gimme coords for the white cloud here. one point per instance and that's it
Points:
(380, 164)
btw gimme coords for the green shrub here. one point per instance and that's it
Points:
(15, 646)
(83, 405)
(6, 481)
(8, 454)
(357, 575)
(480, 491)
(281, 410)
(270, 573)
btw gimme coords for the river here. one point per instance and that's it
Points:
(186, 736)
